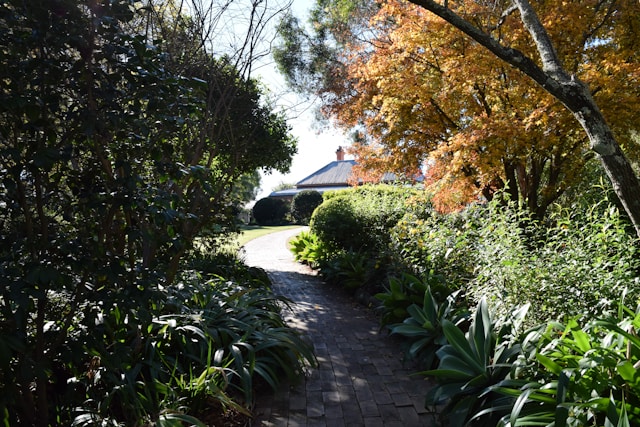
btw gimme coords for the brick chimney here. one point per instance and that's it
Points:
(340, 154)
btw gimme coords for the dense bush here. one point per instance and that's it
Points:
(361, 218)
(303, 205)
(428, 242)
(270, 211)
(189, 345)
(579, 266)
(335, 223)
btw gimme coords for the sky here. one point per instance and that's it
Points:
(317, 144)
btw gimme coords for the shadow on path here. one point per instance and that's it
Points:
(361, 379)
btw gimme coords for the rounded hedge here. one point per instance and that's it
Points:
(303, 205)
(270, 211)
(361, 218)
(335, 222)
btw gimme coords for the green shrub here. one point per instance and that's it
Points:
(361, 218)
(227, 263)
(309, 249)
(349, 269)
(208, 339)
(404, 290)
(425, 242)
(159, 354)
(303, 205)
(335, 223)
(270, 211)
(578, 376)
(577, 267)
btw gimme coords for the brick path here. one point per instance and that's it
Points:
(361, 379)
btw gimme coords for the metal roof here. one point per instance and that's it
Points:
(291, 192)
(335, 173)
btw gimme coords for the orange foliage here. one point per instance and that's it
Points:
(426, 93)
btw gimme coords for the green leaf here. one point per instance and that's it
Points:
(581, 339)
(615, 419)
(628, 372)
(459, 343)
(552, 366)
(178, 420)
(409, 330)
(481, 332)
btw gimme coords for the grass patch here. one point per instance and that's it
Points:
(250, 232)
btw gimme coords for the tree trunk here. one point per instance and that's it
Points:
(574, 94)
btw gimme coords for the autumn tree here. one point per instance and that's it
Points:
(419, 86)
(566, 68)
(478, 125)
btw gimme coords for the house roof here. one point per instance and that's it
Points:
(333, 176)
(291, 192)
(336, 173)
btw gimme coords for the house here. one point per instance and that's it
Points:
(333, 176)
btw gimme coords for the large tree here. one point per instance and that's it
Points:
(418, 86)
(557, 70)
(114, 156)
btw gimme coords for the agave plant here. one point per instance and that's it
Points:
(423, 327)
(471, 364)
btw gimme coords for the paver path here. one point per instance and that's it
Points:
(360, 380)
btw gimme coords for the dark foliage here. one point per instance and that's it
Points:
(303, 205)
(270, 211)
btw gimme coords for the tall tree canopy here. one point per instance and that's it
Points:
(117, 149)
(421, 89)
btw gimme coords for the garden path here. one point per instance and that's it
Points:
(361, 379)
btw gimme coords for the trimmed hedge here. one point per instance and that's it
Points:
(360, 219)
(303, 205)
(270, 211)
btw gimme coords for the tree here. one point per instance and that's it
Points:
(283, 186)
(417, 86)
(477, 125)
(245, 189)
(553, 76)
(115, 156)
(238, 131)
